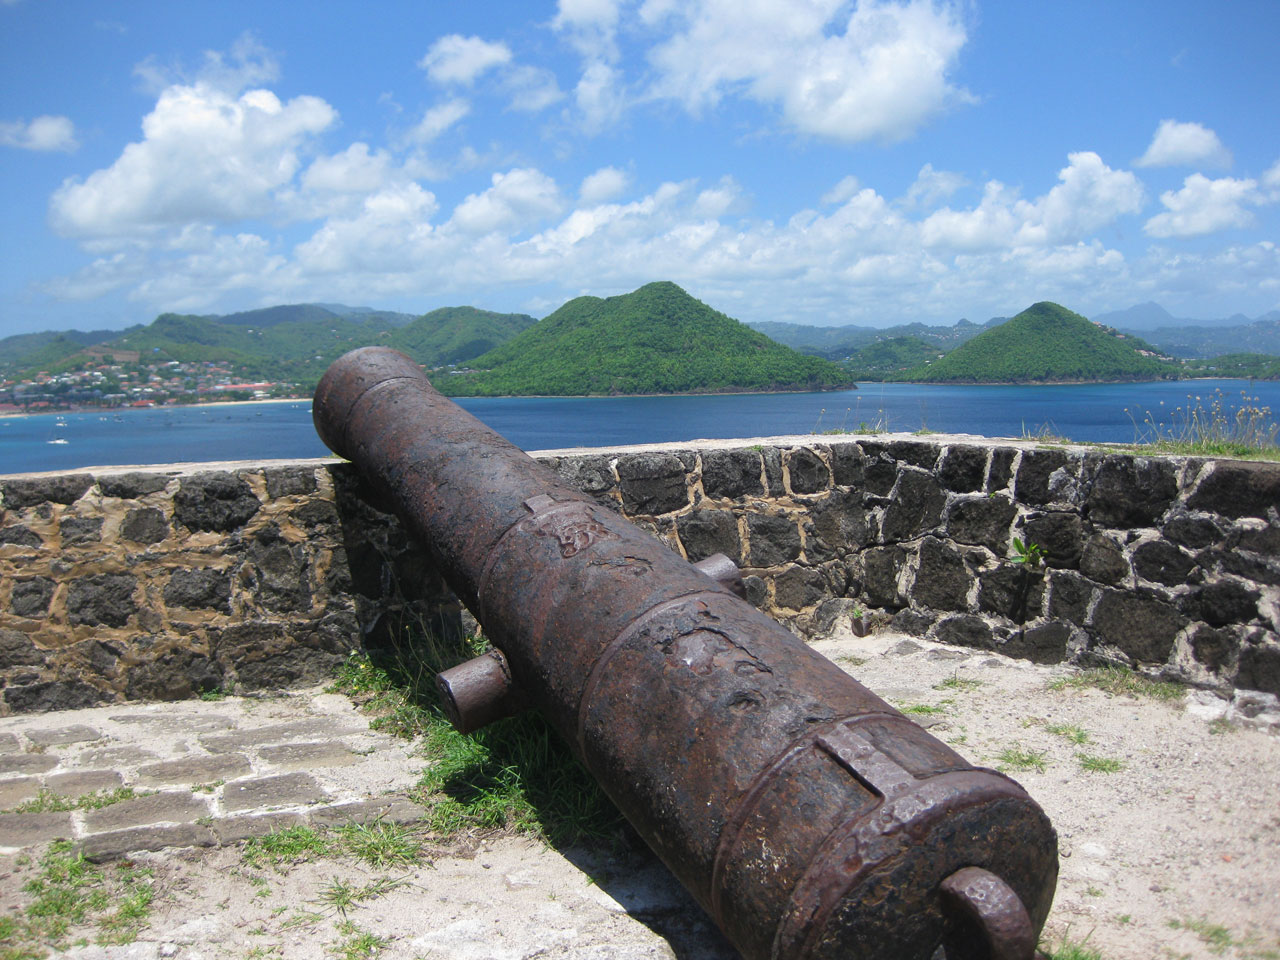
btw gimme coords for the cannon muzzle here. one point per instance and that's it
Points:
(811, 819)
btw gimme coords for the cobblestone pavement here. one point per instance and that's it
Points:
(202, 773)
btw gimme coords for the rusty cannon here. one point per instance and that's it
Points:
(808, 817)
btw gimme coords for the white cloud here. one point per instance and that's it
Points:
(1184, 145)
(842, 191)
(247, 64)
(1089, 196)
(436, 120)
(355, 170)
(1204, 206)
(532, 89)
(43, 133)
(599, 96)
(518, 199)
(205, 156)
(879, 74)
(603, 185)
(932, 186)
(715, 202)
(455, 59)
(390, 234)
(1271, 179)
(590, 26)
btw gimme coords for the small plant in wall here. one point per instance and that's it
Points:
(1030, 554)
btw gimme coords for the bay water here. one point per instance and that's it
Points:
(258, 431)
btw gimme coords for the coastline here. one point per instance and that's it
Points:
(159, 406)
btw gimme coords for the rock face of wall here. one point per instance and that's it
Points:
(162, 584)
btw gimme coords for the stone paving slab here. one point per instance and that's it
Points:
(203, 773)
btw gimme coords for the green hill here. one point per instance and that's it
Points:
(888, 357)
(657, 339)
(1046, 342)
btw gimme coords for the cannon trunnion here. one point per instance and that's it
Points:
(807, 816)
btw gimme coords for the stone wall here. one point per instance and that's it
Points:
(167, 582)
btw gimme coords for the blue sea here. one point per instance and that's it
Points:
(256, 431)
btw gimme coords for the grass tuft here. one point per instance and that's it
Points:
(1096, 764)
(287, 846)
(1072, 732)
(1020, 758)
(1248, 430)
(46, 801)
(1120, 680)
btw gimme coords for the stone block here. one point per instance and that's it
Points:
(1162, 562)
(1012, 590)
(965, 630)
(114, 844)
(290, 481)
(61, 736)
(706, 532)
(228, 830)
(327, 727)
(1130, 491)
(771, 457)
(172, 807)
(282, 581)
(798, 587)
(19, 535)
(131, 486)
(191, 771)
(1102, 559)
(1032, 484)
(807, 471)
(200, 589)
(918, 453)
(17, 789)
(1058, 534)
(1194, 532)
(1000, 469)
(115, 756)
(78, 530)
(9, 743)
(963, 468)
(66, 488)
(1213, 648)
(652, 483)
(1043, 643)
(144, 525)
(1221, 603)
(309, 756)
(1069, 596)
(881, 474)
(1236, 488)
(881, 568)
(285, 790)
(176, 675)
(390, 809)
(28, 829)
(772, 541)
(942, 580)
(839, 526)
(52, 695)
(915, 508)
(78, 783)
(1260, 664)
(105, 599)
(1141, 626)
(848, 464)
(18, 650)
(982, 521)
(30, 598)
(914, 622)
(757, 591)
(590, 474)
(214, 501)
(315, 513)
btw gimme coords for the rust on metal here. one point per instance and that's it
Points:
(478, 692)
(811, 819)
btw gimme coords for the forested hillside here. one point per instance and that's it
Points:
(657, 339)
(1046, 342)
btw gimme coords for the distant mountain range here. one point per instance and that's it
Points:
(836, 343)
(655, 340)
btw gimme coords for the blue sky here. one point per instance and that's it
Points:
(811, 161)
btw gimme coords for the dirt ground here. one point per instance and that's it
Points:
(1170, 850)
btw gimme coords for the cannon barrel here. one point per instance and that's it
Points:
(807, 816)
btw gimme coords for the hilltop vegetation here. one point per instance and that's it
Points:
(1046, 343)
(839, 343)
(657, 339)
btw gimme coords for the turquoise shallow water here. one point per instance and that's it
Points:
(284, 430)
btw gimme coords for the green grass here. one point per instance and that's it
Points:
(957, 682)
(924, 709)
(1215, 935)
(357, 944)
(290, 845)
(341, 896)
(46, 801)
(1247, 430)
(1020, 758)
(514, 775)
(1120, 680)
(381, 844)
(1096, 764)
(1070, 949)
(1072, 732)
(68, 893)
